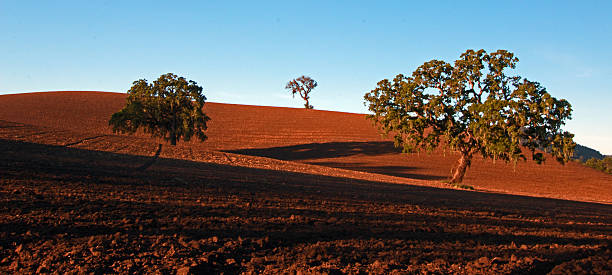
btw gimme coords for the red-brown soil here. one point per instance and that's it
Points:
(264, 194)
(332, 139)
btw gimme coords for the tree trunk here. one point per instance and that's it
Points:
(173, 139)
(173, 131)
(459, 170)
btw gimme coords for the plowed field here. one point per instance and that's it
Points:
(276, 190)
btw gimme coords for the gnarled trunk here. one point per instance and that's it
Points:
(459, 170)
(173, 131)
(307, 104)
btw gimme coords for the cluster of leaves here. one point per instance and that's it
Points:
(170, 107)
(472, 107)
(604, 165)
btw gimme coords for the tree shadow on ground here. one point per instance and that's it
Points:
(391, 170)
(313, 151)
(322, 150)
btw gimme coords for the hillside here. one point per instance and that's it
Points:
(324, 138)
(584, 153)
(276, 190)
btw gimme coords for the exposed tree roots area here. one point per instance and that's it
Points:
(74, 210)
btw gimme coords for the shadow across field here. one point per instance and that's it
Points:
(41, 161)
(50, 191)
(391, 170)
(322, 150)
(309, 153)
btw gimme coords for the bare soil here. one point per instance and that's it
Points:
(277, 190)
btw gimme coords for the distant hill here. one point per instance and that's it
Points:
(585, 153)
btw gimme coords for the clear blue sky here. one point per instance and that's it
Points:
(245, 52)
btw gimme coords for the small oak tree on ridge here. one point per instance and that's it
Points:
(302, 86)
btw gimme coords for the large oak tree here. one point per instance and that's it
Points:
(472, 107)
(170, 107)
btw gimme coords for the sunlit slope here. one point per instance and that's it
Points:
(334, 139)
(232, 126)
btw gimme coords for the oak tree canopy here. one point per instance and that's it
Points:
(472, 107)
(170, 107)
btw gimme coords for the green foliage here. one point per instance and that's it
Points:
(462, 186)
(472, 107)
(604, 165)
(170, 107)
(302, 86)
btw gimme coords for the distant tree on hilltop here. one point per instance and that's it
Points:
(170, 107)
(302, 85)
(472, 107)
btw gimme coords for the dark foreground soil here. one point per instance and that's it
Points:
(75, 199)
